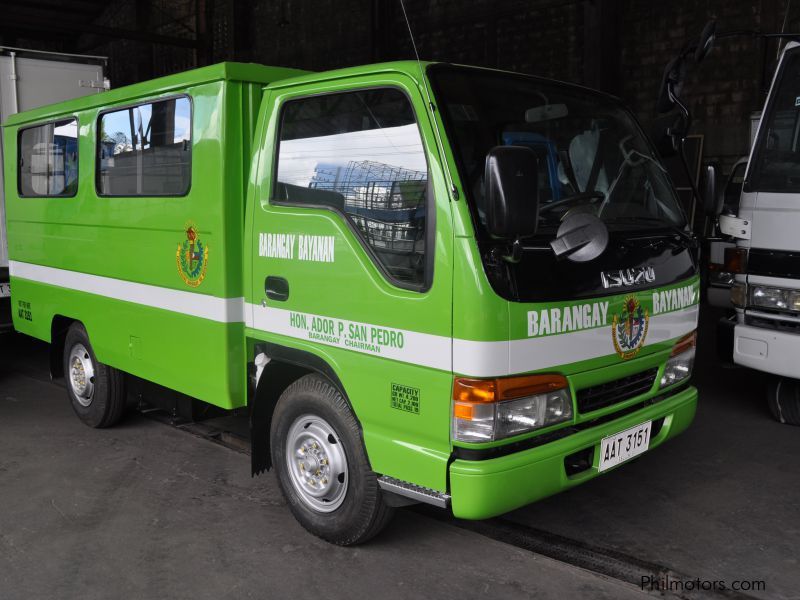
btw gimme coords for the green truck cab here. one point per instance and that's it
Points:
(426, 282)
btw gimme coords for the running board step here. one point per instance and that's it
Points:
(413, 491)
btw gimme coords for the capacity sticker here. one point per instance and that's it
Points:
(405, 397)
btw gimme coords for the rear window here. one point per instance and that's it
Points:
(48, 159)
(146, 150)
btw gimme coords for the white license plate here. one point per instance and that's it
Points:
(5, 290)
(622, 446)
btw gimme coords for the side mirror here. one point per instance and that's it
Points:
(712, 205)
(511, 192)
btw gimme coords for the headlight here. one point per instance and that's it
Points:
(491, 409)
(681, 361)
(770, 297)
(794, 300)
(775, 298)
(721, 278)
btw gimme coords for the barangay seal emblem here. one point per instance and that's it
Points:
(629, 328)
(192, 258)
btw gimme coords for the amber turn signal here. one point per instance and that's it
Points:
(684, 344)
(493, 409)
(736, 260)
(506, 388)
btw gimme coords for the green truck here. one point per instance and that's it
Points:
(425, 282)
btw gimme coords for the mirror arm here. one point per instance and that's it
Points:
(687, 116)
(681, 138)
(513, 258)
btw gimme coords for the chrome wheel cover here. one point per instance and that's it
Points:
(317, 463)
(81, 374)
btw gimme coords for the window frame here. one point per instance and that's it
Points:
(430, 198)
(448, 131)
(752, 180)
(121, 107)
(72, 117)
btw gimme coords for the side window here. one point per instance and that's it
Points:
(48, 159)
(776, 159)
(361, 153)
(146, 150)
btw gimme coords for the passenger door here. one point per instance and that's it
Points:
(351, 259)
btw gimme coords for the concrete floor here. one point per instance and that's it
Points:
(147, 511)
(720, 502)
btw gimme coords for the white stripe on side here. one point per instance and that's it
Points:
(413, 347)
(471, 358)
(465, 357)
(495, 359)
(223, 310)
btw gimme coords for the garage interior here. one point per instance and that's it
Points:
(618, 46)
(162, 507)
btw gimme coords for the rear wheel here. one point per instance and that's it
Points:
(783, 397)
(321, 464)
(97, 391)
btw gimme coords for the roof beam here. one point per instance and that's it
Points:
(12, 22)
(74, 6)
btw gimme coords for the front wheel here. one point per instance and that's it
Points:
(783, 397)
(321, 465)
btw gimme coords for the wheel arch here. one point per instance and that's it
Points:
(59, 326)
(286, 366)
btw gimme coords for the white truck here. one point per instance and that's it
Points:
(765, 332)
(29, 79)
(758, 234)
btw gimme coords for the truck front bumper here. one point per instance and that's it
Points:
(767, 350)
(486, 488)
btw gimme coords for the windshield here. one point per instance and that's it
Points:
(592, 157)
(776, 160)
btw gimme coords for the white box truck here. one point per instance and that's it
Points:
(765, 332)
(762, 253)
(29, 79)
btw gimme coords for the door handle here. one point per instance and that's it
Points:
(276, 288)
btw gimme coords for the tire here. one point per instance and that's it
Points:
(783, 397)
(322, 467)
(96, 391)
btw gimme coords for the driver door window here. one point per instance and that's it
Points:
(361, 154)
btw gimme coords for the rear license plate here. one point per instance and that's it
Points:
(5, 290)
(622, 446)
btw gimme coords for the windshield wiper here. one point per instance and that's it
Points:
(596, 195)
(662, 224)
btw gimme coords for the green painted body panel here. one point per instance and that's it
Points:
(483, 489)
(136, 240)
(412, 447)
(154, 344)
(228, 71)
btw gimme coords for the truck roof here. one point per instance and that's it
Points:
(412, 69)
(408, 67)
(273, 77)
(231, 71)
